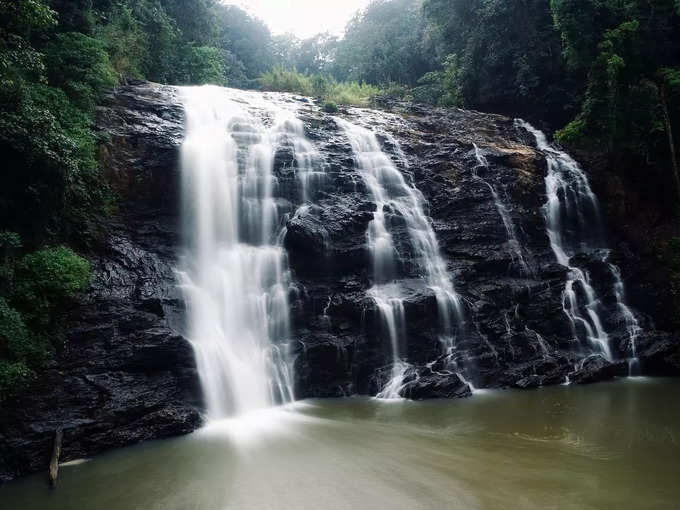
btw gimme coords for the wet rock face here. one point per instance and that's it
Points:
(515, 332)
(127, 374)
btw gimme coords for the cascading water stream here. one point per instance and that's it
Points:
(309, 162)
(394, 197)
(514, 245)
(574, 226)
(235, 276)
(632, 324)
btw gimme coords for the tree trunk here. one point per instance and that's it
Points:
(671, 144)
(54, 462)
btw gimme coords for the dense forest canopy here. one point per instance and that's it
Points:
(604, 74)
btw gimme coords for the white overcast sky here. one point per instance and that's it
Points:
(303, 18)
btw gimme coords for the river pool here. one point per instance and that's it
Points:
(605, 446)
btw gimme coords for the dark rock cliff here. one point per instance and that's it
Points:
(127, 374)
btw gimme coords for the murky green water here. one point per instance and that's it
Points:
(606, 446)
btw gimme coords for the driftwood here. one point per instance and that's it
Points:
(54, 462)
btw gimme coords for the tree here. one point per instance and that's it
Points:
(508, 55)
(384, 44)
(248, 39)
(80, 66)
(203, 64)
(442, 87)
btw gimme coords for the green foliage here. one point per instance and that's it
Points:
(18, 350)
(246, 38)
(599, 119)
(125, 42)
(80, 66)
(9, 240)
(40, 284)
(19, 61)
(13, 332)
(580, 24)
(203, 64)
(573, 134)
(46, 139)
(9, 243)
(44, 279)
(330, 107)
(17, 16)
(77, 15)
(312, 56)
(196, 20)
(621, 107)
(507, 57)
(17, 343)
(160, 41)
(384, 43)
(49, 152)
(283, 80)
(670, 77)
(397, 91)
(320, 86)
(360, 94)
(444, 87)
(38, 158)
(13, 377)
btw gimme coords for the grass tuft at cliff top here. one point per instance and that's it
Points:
(324, 87)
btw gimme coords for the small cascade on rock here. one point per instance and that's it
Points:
(632, 324)
(542, 344)
(390, 304)
(574, 227)
(309, 163)
(235, 276)
(398, 149)
(325, 316)
(514, 244)
(394, 198)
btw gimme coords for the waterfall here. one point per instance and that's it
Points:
(574, 225)
(514, 245)
(234, 276)
(394, 197)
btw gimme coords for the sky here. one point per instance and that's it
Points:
(304, 18)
